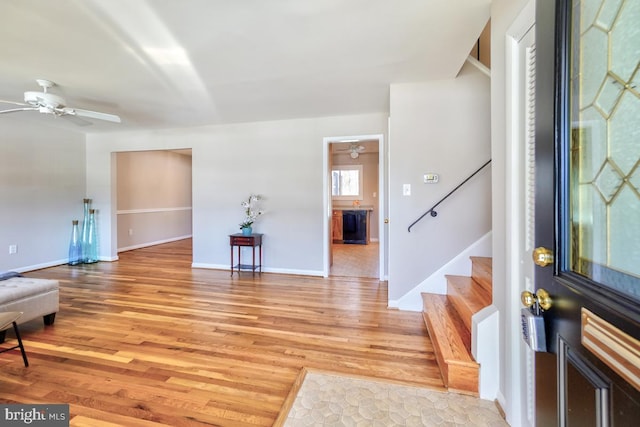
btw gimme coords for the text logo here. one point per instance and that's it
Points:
(54, 415)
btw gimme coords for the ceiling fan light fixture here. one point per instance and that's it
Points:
(38, 98)
(49, 103)
(354, 154)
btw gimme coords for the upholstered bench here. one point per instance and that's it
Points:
(32, 297)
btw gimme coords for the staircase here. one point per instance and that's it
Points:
(448, 319)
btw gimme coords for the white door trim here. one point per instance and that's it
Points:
(518, 358)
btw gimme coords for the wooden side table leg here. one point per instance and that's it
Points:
(253, 261)
(231, 260)
(260, 258)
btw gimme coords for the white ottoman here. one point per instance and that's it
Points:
(33, 297)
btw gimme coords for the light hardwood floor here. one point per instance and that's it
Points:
(149, 341)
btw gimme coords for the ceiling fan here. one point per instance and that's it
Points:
(354, 148)
(49, 103)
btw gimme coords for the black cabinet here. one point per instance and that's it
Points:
(354, 227)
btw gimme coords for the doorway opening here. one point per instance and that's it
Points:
(153, 203)
(354, 232)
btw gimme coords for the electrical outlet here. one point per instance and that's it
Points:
(131, 232)
(406, 189)
(13, 249)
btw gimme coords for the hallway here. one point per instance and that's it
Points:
(356, 260)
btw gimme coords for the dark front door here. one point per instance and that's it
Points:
(588, 211)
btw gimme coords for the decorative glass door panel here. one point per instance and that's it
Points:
(604, 113)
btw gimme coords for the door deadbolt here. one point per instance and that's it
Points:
(532, 319)
(527, 298)
(542, 256)
(541, 298)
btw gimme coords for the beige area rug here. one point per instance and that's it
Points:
(322, 399)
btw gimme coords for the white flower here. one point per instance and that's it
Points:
(251, 212)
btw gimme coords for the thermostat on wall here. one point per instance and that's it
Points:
(431, 178)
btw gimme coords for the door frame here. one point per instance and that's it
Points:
(327, 204)
(516, 380)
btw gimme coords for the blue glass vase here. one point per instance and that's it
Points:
(75, 246)
(246, 231)
(91, 248)
(84, 237)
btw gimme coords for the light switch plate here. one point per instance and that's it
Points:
(406, 189)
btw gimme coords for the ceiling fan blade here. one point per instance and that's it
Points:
(76, 120)
(4, 101)
(92, 114)
(13, 110)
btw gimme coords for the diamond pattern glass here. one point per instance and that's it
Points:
(605, 143)
(608, 181)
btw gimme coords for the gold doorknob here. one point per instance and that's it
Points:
(527, 298)
(542, 256)
(544, 300)
(386, 220)
(541, 297)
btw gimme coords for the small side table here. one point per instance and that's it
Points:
(253, 241)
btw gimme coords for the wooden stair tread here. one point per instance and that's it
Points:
(449, 322)
(482, 271)
(449, 328)
(467, 296)
(452, 344)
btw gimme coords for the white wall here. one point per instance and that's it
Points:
(42, 184)
(442, 127)
(281, 160)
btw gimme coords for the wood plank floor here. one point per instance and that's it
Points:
(149, 341)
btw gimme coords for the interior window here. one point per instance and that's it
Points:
(346, 182)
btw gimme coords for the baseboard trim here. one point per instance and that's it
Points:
(53, 264)
(39, 266)
(264, 269)
(157, 242)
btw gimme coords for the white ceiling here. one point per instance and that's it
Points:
(168, 63)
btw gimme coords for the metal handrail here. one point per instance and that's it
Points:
(432, 210)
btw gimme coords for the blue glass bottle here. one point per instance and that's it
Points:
(75, 246)
(91, 248)
(84, 237)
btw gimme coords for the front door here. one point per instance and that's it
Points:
(588, 212)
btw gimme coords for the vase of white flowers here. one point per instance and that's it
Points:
(251, 212)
